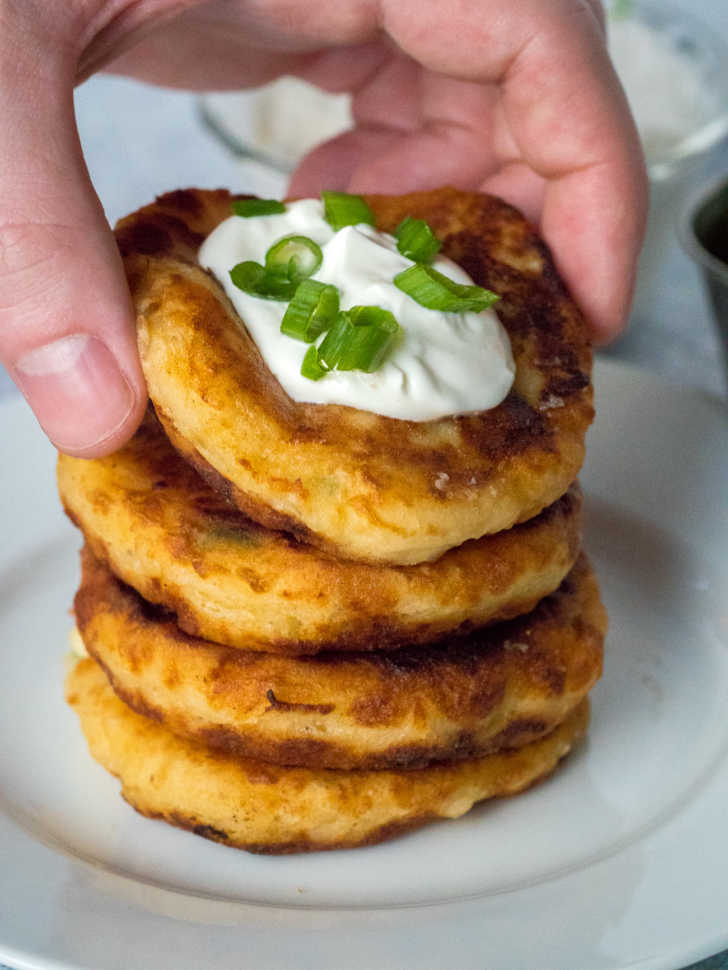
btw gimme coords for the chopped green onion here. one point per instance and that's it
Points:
(416, 240)
(358, 346)
(256, 207)
(312, 310)
(252, 278)
(438, 292)
(368, 344)
(294, 257)
(333, 344)
(364, 316)
(311, 368)
(342, 210)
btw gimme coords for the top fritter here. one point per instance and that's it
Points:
(352, 482)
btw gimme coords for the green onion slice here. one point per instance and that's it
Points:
(294, 257)
(368, 344)
(438, 292)
(312, 310)
(342, 210)
(416, 240)
(332, 346)
(311, 368)
(363, 316)
(256, 207)
(252, 278)
(362, 345)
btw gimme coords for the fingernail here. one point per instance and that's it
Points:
(76, 389)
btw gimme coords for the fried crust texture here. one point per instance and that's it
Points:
(352, 483)
(162, 530)
(501, 687)
(251, 805)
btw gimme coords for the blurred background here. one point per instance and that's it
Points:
(672, 56)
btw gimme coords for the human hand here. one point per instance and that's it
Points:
(515, 99)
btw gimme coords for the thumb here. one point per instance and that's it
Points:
(66, 321)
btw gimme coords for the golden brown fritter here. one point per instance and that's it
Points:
(147, 514)
(252, 805)
(503, 686)
(354, 483)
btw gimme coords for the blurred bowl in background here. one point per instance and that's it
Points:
(674, 70)
(703, 231)
(277, 124)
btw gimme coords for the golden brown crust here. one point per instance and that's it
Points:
(360, 485)
(248, 804)
(147, 514)
(502, 686)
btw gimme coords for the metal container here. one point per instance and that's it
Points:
(703, 231)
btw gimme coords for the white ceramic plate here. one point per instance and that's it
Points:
(620, 859)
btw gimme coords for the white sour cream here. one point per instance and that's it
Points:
(444, 364)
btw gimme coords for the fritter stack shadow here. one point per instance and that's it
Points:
(275, 694)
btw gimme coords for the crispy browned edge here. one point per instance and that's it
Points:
(383, 833)
(576, 727)
(100, 590)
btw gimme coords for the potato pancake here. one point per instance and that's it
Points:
(502, 686)
(162, 530)
(251, 805)
(353, 483)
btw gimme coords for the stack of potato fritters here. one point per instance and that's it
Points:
(314, 627)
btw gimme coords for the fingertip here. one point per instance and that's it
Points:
(328, 166)
(84, 400)
(604, 332)
(342, 163)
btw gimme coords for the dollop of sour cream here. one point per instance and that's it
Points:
(443, 364)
